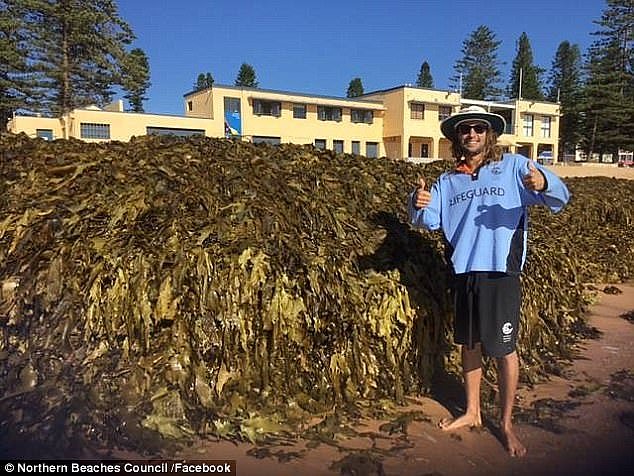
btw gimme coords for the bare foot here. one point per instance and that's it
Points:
(467, 419)
(513, 445)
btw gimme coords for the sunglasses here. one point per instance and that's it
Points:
(466, 128)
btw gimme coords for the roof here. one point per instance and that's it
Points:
(259, 92)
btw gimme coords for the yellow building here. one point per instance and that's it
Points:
(401, 122)
(259, 115)
(413, 116)
(93, 124)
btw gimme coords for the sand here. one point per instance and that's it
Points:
(591, 170)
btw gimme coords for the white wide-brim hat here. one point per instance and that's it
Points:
(472, 113)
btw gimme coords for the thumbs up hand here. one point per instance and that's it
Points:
(535, 180)
(422, 197)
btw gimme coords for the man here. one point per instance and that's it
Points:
(481, 208)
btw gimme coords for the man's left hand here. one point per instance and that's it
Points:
(535, 180)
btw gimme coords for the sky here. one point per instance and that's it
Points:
(317, 47)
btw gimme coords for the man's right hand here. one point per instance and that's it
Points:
(422, 197)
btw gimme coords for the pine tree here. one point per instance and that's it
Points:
(425, 79)
(478, 70)
(246, 76)
(204, 81)
(524, 69)
(136, 78)
(566, 84)
(16, 87)
(77, 48)
(355, 88)
(609, 92)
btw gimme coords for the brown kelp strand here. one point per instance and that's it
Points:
(165, 288)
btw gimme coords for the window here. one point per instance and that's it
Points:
(528, 125)
(356, 147)
(320, 144)
(372, 149)
(267, 140)
(325, 113)
(89, 130)
(417, 110)
(361, 115)
(545, 126)
(267, 108)
(299, 111)
(190, 106)
(46, 134)
(173, 131)
(337, 146)
(444, 112)
(232, 105)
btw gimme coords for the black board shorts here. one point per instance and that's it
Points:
(487, 306)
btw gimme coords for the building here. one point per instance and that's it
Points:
(259, 115)
(402, 122)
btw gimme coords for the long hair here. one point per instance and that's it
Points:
(492, 151)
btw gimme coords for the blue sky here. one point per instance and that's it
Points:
(317, 47)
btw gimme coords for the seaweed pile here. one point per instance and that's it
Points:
(165, 288)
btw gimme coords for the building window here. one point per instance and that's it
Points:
(325, 113)
(337, 146)
(232, 105)
(320, 144)
(190, 106)
(417, 110)
(46, 134)
(266, 140)
(267, 108)
(528, 125)
(89, 130)
(173, 131)
(299, 111)
(356, 147)
(372, 149)
(361, 115)
(444, 112)
(546, 126)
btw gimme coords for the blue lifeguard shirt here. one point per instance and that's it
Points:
(484, 215)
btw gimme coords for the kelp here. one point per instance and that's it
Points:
(164, 288)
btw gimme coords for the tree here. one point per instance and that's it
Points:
(76, 50)
(136, 78)
(477, 72)
(16, 87)
(355, 88)
(246, 76)
(425, 79)
(525, 71)
(609, 91)
(204, 81)
(566, 84)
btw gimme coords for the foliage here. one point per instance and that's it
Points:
(609, 91)
(136, 78)
(204, 81)
(15, 86)
(530, 74)
(566, 83)
(246, 76)
(478, 71)
(424, 79)
(355, 88)
(74, 50)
